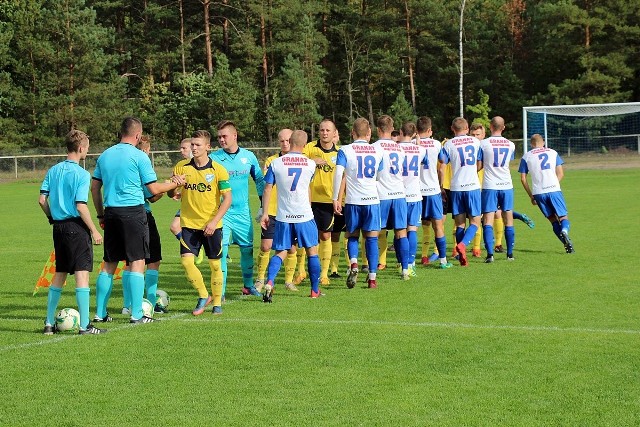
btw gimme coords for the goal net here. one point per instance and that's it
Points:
(585, 129)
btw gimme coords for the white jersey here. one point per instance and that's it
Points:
(429, 182)
(414, 157)
(497, 152)
(361, 162)
(463, 153)
(390, 184)
(292, 174)
(541, 164)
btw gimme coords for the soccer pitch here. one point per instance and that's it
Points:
(550, 339)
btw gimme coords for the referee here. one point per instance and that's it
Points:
(121, 173)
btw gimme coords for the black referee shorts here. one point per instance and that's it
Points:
(126, 234)
(73, 246)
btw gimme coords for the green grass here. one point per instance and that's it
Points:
(550, 339)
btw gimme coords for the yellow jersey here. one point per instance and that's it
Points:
(322, 184)
(272, 205)
(201, 194)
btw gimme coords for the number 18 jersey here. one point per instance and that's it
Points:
(362, 162)
(292, 174)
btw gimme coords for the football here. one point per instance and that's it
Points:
(162, 299)
(68, 319)
(147, 308)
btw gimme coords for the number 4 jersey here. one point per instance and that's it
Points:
(463, 152)
(292, 174)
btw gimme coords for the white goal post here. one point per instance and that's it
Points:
(586, 128)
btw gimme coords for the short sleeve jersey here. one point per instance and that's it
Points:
(240, 166)
(541, 164)
(362, 162)
(292, 173)
(272, 205)
(390, 183)
(322, 185)
(497, 152)
(463, 153)
(201, 194)
(415, 156)
(124, 170)
(66, 184)
(429, 182)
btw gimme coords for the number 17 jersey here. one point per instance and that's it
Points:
(292, 174)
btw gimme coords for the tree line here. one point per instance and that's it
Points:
(182, 65)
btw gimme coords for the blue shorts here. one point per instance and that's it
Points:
(237, 229)
(393, 214)
(551, 204)
(303, 233)
(466, 202)
(362, 217)
(413, 213)
(492, 200)
(432, 207)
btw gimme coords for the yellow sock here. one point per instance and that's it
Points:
(325, 257)
(477, 239)
(363, 253)
(263, 263)
(426, 240)
(498, 230)
(346, 252)
(216, 281)
(301, 257)
(382, 247)
(290, 267)
(194, 276)
(335, 256)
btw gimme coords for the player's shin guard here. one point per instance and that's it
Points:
(498, 230)
(363, 251)
(460, 234)
(126, 289)
(510, 235)
(289, 267)
(246, 265)
(469, 234)
(325, 257)
(335, 255)
(194, 276)
(557, 229)
(371, 249)
(565, 225)
(489, 242)
(426, 240)
(477, 238)
(441, 244)
(272, 270)
(151, 285)
(403, 252)
(314, 272)
(216, 281)
(263, 262)
(53, 297)
(136, 284)
(301, 256)
(104, 284)
(352, 249)
(412, 238)
(82, 299)
(223, 267)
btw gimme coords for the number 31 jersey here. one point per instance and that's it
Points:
(463, 152)
(292, 174)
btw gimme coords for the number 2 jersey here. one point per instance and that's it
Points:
(361, 162)
(292, 173)
(463, 153)
(541, 164)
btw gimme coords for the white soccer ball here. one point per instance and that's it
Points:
(68, 319)
(147, 308)
(162, 298)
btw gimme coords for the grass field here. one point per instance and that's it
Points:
(550, 339)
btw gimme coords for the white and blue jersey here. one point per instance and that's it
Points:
(415, 157)
(123, 180)
(463, 153)
(541, 164)
(292, 174)
(497, 152)
(429, 181)
(65, 185)
(390, 183)
(361, 162)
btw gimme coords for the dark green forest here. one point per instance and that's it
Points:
(182, 65)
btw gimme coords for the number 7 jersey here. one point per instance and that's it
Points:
(292, 174)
